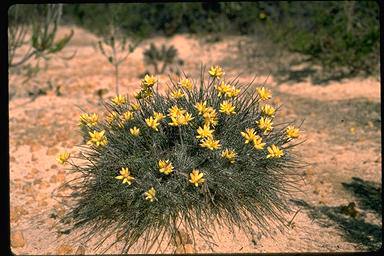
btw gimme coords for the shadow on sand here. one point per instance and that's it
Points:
(348, 219)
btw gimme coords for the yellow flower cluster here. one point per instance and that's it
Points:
(153, 123)
(146, 84)
(293, 132)
(89, 120)
(63, 157)
(186, 84)
(226, 107)
(268, 110)
(227, 90)
(178, 94)
(165, 167)
(179, 116)
(196, 177)
(264, 94)
(250, 136)
(229, 154)
(265, 124)
(134, 131)
(97, 138)
(216, 72)
(150, 194)
(125, 176)
(119, 100)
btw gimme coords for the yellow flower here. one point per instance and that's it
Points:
(264, 94)
(268, 110)
(232, 92)
(127, 116)
(97, 138)
(204, 132)
(229, 154)
(150, 194)
(210, 143)
(135, 131)
(216, 71)
(111, 116)
(257, 142)
(274, 151)
(119, 100)
(63, 157)
(177, 94)
(201, 107)
(227, 108)
(176, 111)
(158, 116)
(249, 135)
(210, 117)
(145, 93)
(181, 119)
(165, 166)
(89, 120)
(186, 83)
(148, 81)
(152, 122)
(196, 177)
(293, 132)
(265, 123)
(124, 175)
(223, 88)
(135, 106)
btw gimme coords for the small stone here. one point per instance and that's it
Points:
(35, 171)
(52, 179)
(60, 177)
(52, 151)
(53, 166)
(43, 185)
(37, 181)
(64, 249)
(17, 239)
(80, 250)
(12, 159)
(187, 248)
(35, 147)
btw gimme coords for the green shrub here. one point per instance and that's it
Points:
(342, 36)
(165, 55)
(206, 151)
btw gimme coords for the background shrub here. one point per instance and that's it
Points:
(337, 35)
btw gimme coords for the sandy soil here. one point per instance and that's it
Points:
(342, 130)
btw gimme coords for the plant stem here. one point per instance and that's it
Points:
(181, 138)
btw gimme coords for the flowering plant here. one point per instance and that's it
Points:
(206, 151)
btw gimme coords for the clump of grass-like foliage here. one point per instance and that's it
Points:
(206, 151)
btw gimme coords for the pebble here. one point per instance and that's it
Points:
(60, 177)
(17, 239)
(52, 179)
(52, 151)
(35, 147)
(64, 249)
(187, 248)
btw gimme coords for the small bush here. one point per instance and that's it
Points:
(206, 151)
(165, 56)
